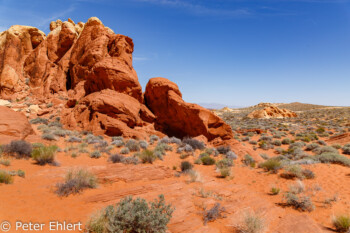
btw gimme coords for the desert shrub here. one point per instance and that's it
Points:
(5, 162)
(341, 223)
(184, 156)
(275, 191)
(74, 139)
(5, 177)
(225, 172)
(175, 140)
(336, 146)
(143, 144)
(252, 223)
(118, 143)
(248, 160)
(333, 158)
(207, 160)
(48, 136)
(18, 149)
(231, 155)
(117, 138)
(147, 156)
(131, 160)
(223, 149)
(76, 182)
(194, 143)
(325, 149)
(346, 149)
(308, 174)
(91, 139)
(264, 156)
(153, 138)
(186, 166)
(286, 141)
(55, 124)
(303, 203)
(38, 120)
(133, 145)
(213, 213)
(21, 173)
(224, 163)
(293, 171)
(59, 133)
(244, 139)
(312, 146)
(253, 142)
(277, 143)
(95, 154)
(133, 215)
(271, 165)
(165, 140)
(322, 143)
(44, 155)
(125, 151)
(116, 158)
(264, 145)
(194, 176)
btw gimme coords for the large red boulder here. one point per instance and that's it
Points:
(103, 60)
(47, 65)
(111, 113)
(15, 45)
(13, 125)
(177, 118)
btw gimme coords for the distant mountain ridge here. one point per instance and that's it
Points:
(218, 106)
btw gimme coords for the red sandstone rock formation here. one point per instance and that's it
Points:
(92, 65)
(177, 118)
(271, 112)
(15, 45)
(13, 125)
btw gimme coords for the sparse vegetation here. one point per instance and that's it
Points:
(341, 223)
(5, 177)
(147, 156)
(18, 149)
(44, 155)
(186, 166)
(76, 182)
(133, 215)
(214, 213)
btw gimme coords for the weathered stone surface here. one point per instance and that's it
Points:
(175, 117)
(15, 44)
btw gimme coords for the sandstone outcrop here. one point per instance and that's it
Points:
(111, 113)
(47, 65)
(91, 66)
(15, 45)
(177, 118)
(103, 60)
(13, 125)
(271, 112)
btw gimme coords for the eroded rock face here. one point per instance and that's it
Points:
(47, 65)
(15, 45)
(104, 60)
(271, 112)
(111, 113)
(13, 125)
(177, 118)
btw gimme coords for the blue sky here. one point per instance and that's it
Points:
(234, 52)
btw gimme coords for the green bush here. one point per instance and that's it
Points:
(5, 177)
(248, 160)
(44, 155)
(293, 171)
(271, 165)
(333, 158)
(133, 215)
(186, 166)
(147, 156)
(341, 223)
(207, 160)
(225, 172)
(75, 182)
(275, 191)
(303, 203)
(133, 145)
(48, 136)
(223, 163)
(95, 154)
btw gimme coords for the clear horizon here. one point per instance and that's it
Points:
(231, 52)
